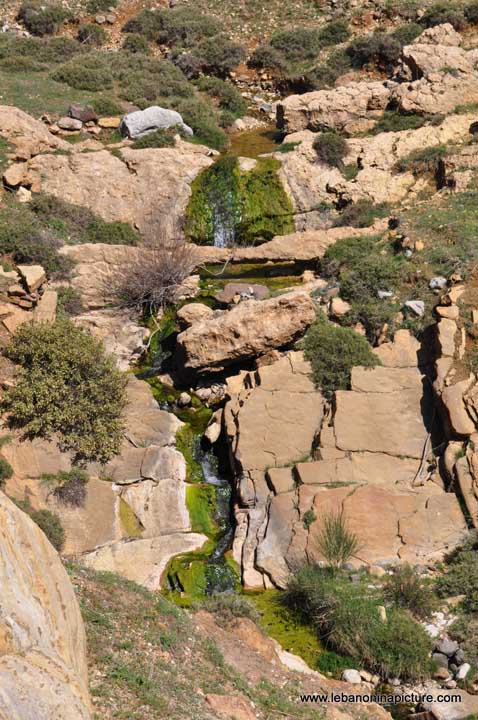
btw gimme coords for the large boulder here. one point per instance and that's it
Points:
(28, 136)
(43, 671)
(147, 188)
(142, 122)
(249, 329)
(437, 93)
(436, 48)
(334, 109)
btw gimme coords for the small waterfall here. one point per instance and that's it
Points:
(224, 210)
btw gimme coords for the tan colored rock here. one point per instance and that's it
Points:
(439, 92)
(403, 352)
(333, 109)
(446, 337)
(193, 313)
(159, 506)
(453, 401)
(281, 480)
(139, 188)
(444, 34)
(15, 174)
(423, 59)
(247, 330)
(118, 329)
(339, 307)
(15, 318)
(45, 311)
(110, 123)
(450, 312)
(143, 561)
(386, 380)
(33, 276)
(43, 671)
(29, 136)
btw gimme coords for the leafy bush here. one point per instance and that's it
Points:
(228, 97)
(405, 588)
(60, 362)
(328, 72)
(92, 73)
(334, 33)
(111, 233)
(176, 27)
(461, 577)
(471, 13)
(69, 486)
(42, 19)
(198, 116)
(136, 43)
(333, 352)
(219, 56)
(98, 6)
(425, 160)
(105, 106)
(331, 148)
(24, 239)
(346, 617)
(335, 541)
(361, 214)
(376, 49)
(92, 35)
(51, 525)
(266, 57)
(406, 34)
(69, 302)
(465, 631)
(296, 45)
(156, 139)
(444, 12)
(396, 122)
(6, 470)
(406, 9)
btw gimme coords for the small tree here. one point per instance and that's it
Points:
(336, 542)
(331, 148)
(67, 388)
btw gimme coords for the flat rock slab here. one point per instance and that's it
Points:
(143, 561)
(241, 290)
(160, 507)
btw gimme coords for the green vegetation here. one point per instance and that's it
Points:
(129, 522)
(392, 121)
(156, 139)
(228, 98)
(98, 6)
(461, 577)
(42, 19)
(347, 619)
(336, 542)
(6, 471)
(46, 520)
(377, 49)
(444, 12)
(333, 352)
(405, 588)
(362, 213)
(60, 362)
(92, 35)
(253, 205)
(421, 161)
(136, 43)
(227, 606)
(68, 486)
(69, 302)
(331, 148)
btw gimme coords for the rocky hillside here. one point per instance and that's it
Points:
(238, 334)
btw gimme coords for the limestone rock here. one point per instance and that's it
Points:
(43, 671)
(70, 123)
(45, 311)
(142, 122)
(439, 92)
(29, 136)
(143, 561)
(33, 276)
(333, 109)
(247, 330)
(242, 291)
(452, 398)
(192, 313)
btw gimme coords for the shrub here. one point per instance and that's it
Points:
(471, 13)
(405, 588)
(98, 6)
(181, 27)
(69, 486)
(69, 302)
(153, 279)
(376, 49)
(406, 34)
(425, 160)
(156, 139)
(361, 214)
(105, 106)
(136, 43)
(333, 352)
(334, 33)
(188, 63)
(110, 233)
(93, 35)
(331, 148)
(219, 56)
(395, 122)
(461, 578)
(198, 116)
(93, 73)
(465, 631)
(51, 525)
(266, 57)
(346, 617)
(406, 9)
(6, 470)
(40, 19)
(296, 45)
(60, 362)
(24, 239)
(444, 12)
(227, 606)
(226, 94)
(335, 541)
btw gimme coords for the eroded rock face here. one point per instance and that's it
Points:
(333, 109)
(142, 187)
(365, 458)
(437, 93)
(43, 672)
(28, 136)
(250, 329)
